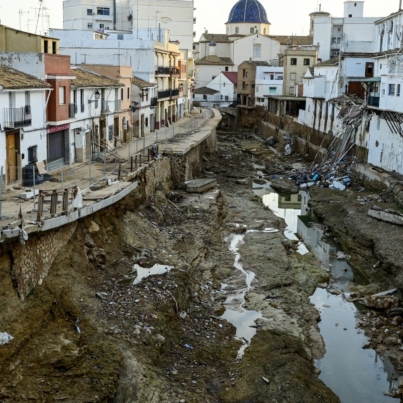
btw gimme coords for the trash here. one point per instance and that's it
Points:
(342, 256)
(188, 346)
(183, 314)
(287, 150)
(389, 292)
(382, 302)
(76, 325)
(339, 185)
(265, 379)
(78, 200)
(5, 338)
(326, 306)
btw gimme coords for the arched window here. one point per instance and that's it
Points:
(256, 50)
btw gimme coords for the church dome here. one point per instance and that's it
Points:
(250, 11)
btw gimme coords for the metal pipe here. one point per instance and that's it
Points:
(114, 14)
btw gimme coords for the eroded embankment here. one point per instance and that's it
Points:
(162, 340)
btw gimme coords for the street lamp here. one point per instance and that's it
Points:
(96, 96)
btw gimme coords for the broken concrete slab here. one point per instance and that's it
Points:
(200, 185)
(283, 186)
(385, 216)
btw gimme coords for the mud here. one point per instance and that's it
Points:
(163, 339)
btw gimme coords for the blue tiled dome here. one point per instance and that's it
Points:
(248, 11)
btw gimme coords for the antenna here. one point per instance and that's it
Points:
(39, 13)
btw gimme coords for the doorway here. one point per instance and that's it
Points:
(142, 126)
(102, 125)
(116, 130)
(12, 150)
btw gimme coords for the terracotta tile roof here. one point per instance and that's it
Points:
(85, 78)
(216, 38)
(205, 91)
(138, 82)
(255, 63)
(232, 76)
(293, 40)
(11, 79)
(223, 61)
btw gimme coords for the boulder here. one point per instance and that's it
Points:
(283, 186)
(381, 302)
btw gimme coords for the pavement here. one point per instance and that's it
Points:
(92, 176)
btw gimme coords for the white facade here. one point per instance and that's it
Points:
(87, 47)
(225, 87)
(269, 81)
(205, 73)
(32, 134)
(351, 33)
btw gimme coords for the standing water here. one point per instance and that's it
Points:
(354, 374)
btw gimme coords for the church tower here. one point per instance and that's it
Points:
(248, 17)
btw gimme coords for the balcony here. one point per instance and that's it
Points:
(172, 94)
(163, 71)
(117, 105)
(104, 106)
(154, 101)
(17, 117)
(175, 72)
(72, 110)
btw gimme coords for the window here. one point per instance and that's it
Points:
(120, 37)
(33, 154)
(264, 31)
(101, 26)
(256, 50)
(383, 89)
(103, 11)
(146, 122)
(307, 62)
(110, 132)
(252, 30)
(380, 66)
(392, 89)
(89, 11)
(27, 99)
(89, 25)
(82, 100)
(398, 90)
(226, 68)
(128, 92)
(293, 76)
(291, 91)
(272, 90)
(237, 30)
(257, 88)
(293, 61)
(287, 198)
(45, 46)
(54, 47)
(62, 95)
(121, 94)
(350, 15)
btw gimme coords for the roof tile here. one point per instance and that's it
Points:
(11, 79)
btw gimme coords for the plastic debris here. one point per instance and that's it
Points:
(189, 346)
(5, 338)
(76, 325)
(265, 379)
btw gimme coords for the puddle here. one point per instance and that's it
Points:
(235, 313)
(143, 272)
(353, 373)
(287, 207)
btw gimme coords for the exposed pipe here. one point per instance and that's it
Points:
(114, 15)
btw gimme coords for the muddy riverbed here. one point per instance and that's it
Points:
(181, 298)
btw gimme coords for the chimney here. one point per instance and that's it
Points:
(206, 31)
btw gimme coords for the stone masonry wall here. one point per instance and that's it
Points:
(31, 262)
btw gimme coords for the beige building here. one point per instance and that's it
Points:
(14, 40)
(296, 60)
(246, 82)
(123, 74)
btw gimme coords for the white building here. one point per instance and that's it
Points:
(351, 33)
(269, 81)
(226, 86)
(22, 121)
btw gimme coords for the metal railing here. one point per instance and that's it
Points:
(164, 94)
(154, 101)
(17, 117)
(163, 70)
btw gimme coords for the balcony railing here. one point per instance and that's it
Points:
(72, 110)
(163, 71)
(104, 106)
(173, 94)
(154, 101)
(117, 105)
(17, 117)
(175, 72)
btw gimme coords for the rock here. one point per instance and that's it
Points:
(395, 312)
(159, 339)
(284, 186)
(391, 341)
(93, 227)
(260, 181)
(241, 181)
(369, 289)
(381, 302)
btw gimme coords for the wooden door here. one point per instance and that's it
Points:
(11, 158)
(116, 130)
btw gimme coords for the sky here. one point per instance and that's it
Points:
(286, 18)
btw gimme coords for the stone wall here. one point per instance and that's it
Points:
(31, 262)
